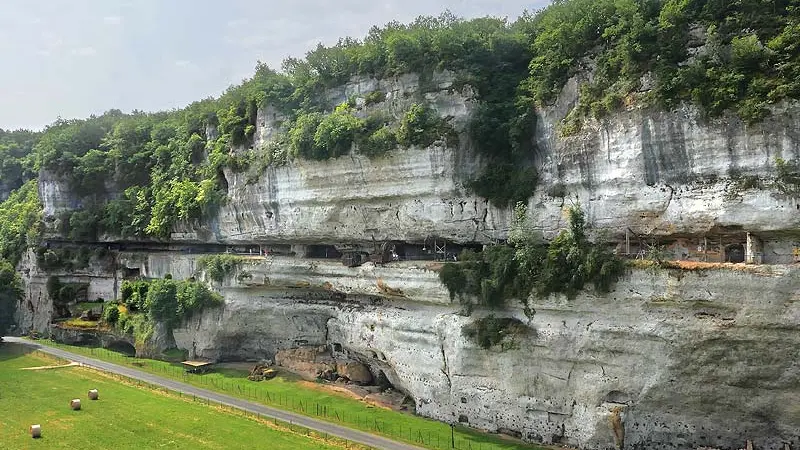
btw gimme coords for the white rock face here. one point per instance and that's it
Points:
(691, 358)
(666, 173)
(410, 195)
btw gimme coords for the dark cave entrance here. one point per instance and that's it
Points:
(734, 253)
(126, 348)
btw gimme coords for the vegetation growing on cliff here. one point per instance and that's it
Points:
(490, 331)
(217, 267)
(20, 220)
(528, 266)
(167, 301)
(720, 55)
(16, 159)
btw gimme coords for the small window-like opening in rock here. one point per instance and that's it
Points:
(322, 251)
(617, 397)
(734, 253)
(300, 343)
(134, 272)
(337, 347)
(463, 419)
(463, 399)
(269, 214)
(223, 182)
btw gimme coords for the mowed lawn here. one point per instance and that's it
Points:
(287, 392)
(125, 416)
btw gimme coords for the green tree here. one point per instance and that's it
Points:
(10, 295)
(162, 302)
(20, 219)
(337, 131)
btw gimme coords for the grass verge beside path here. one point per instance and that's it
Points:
(286, 393)
(125, 417)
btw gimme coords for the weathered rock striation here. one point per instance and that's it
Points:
(690, 359)
(656, 174)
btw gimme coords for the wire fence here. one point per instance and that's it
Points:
(208, 402)
(444, 438)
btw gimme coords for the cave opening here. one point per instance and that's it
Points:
(322, 252)
(124, 347)
(734, 253)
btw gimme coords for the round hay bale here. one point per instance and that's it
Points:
(36, 431)
(75, 404)
(93, 394)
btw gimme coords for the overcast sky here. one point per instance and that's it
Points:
(79, 57)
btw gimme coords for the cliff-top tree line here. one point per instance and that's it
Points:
(139, 174)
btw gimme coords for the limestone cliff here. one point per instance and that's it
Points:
(677, 359)
(654, 173)
(688, 359)
(672, 359)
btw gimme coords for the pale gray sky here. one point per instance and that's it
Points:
(80, 57)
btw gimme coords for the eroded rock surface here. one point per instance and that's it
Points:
(675, 359)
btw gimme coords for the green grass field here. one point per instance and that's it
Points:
(288, 393)
(125, 416)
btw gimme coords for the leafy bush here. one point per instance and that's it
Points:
(572, 261)
(67, 293)
(421, 127)
(301, 136)
(110, 314)
(134, 293)
(505, 184)
(337, 132)
(170, 302)
(374, 97)
(381, 141)
(217, 267)
(787, 177)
